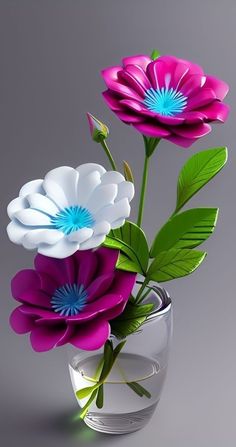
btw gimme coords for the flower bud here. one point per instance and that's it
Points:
(98, 130)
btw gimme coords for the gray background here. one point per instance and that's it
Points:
(51, 53)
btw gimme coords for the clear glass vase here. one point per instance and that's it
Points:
(132, 389)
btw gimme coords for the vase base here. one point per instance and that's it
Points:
(120, 423)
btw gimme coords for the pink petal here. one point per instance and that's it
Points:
(20, 322)
(45, 338)
(141, 60)
(129, 118)
(110, 76)
(41, 313)
(99, 286)
(106, 258)
(104, 303)
(193, 85)
(216, 111)
(112, 101)
(137, 107)
(92, 336)
(180, 141)
(193, 68)
(220, 87)
(161, 71)
(200, 99)
(136, 78)
(170, 120)
(152, 130)
(195, 131)
(179, 75)
(193, 117)
(86, 266)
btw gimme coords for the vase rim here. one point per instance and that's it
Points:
(165, 303)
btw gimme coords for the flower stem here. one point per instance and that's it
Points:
(143, 191)
(108, 153)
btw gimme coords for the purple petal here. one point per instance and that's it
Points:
(23, 281)
(204, 97)
(107, 258)
(45, 338)
(99, 286)
(58, 269)
(47, 283)
(86, 266)
(152, 130)
(92, 336)
(141, 60)
(123, 283)
(104, 303)
(220, 87)
(20, 322)
(110, 76)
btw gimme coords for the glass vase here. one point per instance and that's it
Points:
(133, 387)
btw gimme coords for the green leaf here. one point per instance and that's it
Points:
(131, 319)
(128, 172)
(130, 240)
(174, 263)
(85, 392)
(139, 389)
(155, 54)
(186, 230)
(108, 361)
(117, 350)
(100, 397)
(198, 171)
(87, 405)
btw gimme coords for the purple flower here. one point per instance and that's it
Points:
(167, 98)
(70, 300)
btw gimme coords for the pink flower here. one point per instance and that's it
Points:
(167, 98)
(70, 300)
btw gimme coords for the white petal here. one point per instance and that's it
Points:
(35, 237)
(117, 224)
(16, 231)
(87, 168)
(81, 235)
(31, 187)
(103, 195)
(93, 242)
(55, 193)
(125, 189)
(112, 177)
(102, 228)
(86, 186)
(16, 205)
(32, 217)
(61, 250)
(42, 203)
(66, 178)
(111, 213)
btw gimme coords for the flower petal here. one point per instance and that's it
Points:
(102, 227)
(46, 338)
(98, 287)
(93, 242)
(86, 186)
(92, 336)
(111, 213)
(104, 303)
(81, 235)
(31, 187)
(55, 193)
(216, 111)
(125, 189)
(140, 59)
(16, 231)
(194, 131)
(112, 177)
(34, 238)
(181, 141)
(66, 178)
(220, 87)
(102, 196)
(16, 205)
(42, 203)
(110, 76)
(32, 217)
(151, 129)
(112, 100)
(58, 269)
(136, 78)
(20, 322)
(60, 250)
(107, 258)
(200, 99)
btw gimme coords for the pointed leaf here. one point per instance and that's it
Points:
(198, 171)
(174, 263)
(131, 240)
(155, 54)
(186, 230)
(128, 172)
(131, 319)
(87, 405)
(100, 397)
(85, 392)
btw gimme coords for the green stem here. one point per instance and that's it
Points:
(143, 191)
(108, 153)
(138, 298)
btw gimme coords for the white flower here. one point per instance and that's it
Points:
(70, 210)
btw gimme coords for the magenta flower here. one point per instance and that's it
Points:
(167, 98)
(70, 300)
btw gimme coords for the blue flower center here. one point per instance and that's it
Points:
(69, 299)
(165, 101)
(72, 218)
